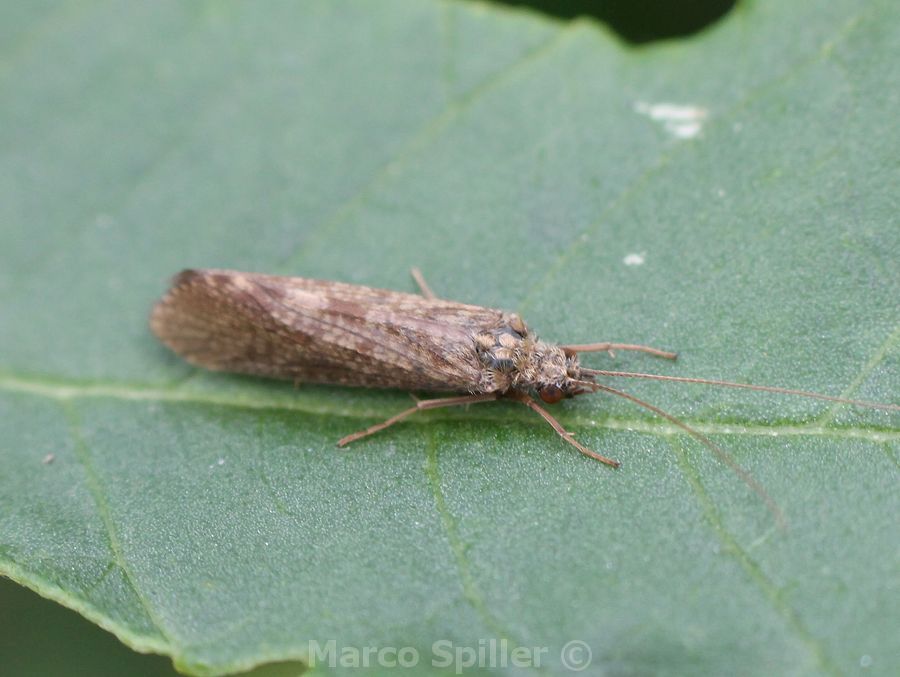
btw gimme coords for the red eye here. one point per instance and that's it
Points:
(551, 394)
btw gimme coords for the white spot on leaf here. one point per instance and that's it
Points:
(681, 121)
(635, 259)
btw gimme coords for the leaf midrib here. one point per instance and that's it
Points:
(61, 390)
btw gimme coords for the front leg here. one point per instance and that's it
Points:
(420, 406)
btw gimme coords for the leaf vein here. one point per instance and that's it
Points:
(420, 139)
(65, 391)
(82, 453)
(877, 358)
(772, 593)
(451, 528)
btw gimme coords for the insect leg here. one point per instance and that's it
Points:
(607, 347)
(557, 426)
(420, 405)
(423, 285)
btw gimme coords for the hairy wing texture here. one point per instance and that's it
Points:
(322, 332)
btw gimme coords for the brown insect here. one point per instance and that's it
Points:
(330, 332)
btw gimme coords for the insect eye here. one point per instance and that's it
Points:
(551, 394)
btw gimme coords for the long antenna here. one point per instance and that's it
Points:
(607, 347)
(720, 453)
(746, 386)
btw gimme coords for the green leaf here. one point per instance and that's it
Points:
(731, 196)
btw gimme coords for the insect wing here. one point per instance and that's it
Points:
(318, 331)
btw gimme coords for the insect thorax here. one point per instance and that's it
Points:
(514, 359)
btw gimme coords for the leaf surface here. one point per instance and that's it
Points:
(731, 196)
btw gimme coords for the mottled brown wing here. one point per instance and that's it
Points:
(321, 332)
